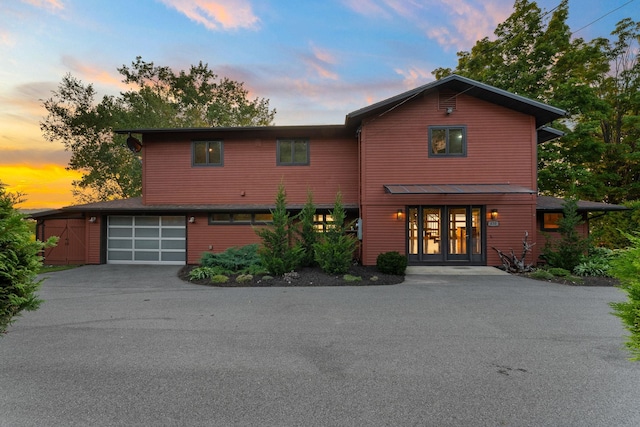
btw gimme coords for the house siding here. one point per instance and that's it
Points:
(394, 150)
(249, 175)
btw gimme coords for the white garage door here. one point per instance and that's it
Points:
(146, 240)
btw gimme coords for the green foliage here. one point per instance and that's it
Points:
(567, 252)
(19, 262)
(334, 252)
(219, 278)
(244, 278)
(351, 278)
(307, 233)
(597, 263)
(626, 267)
(541, 274)
(200, 273)
(608, 230)
(162, 99)
(559, 272)
(233, 260)
(279, 252)
(391, 263)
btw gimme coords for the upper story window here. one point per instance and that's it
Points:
(292, 152)
(208, 153)
(447, 141)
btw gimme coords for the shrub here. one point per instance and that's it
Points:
(279, 253)
(334, 254)
(626, 267)
(219, 278)
(559, 272)
(19, 262)
(200, 273)
(391, 263)
(541, 274)
(233, 260)
(307, 232)
(244, 278)
(592, 268)
(567, 252)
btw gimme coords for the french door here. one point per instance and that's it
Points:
(446, 235)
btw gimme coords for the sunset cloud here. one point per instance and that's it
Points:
(414, 77)
(92, 73)
(46, 186)
(217, 14)
(54, 5)
(321, 62)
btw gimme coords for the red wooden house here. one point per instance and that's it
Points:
(441, 173)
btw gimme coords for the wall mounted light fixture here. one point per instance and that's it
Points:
(93, 219)
(399, 214)
(192, 219)
(494, 214)
(449, 110)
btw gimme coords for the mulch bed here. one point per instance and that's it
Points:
(311, 276)
(370, 276)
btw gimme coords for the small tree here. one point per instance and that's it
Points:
(334, 253)
(626, 267)
(19, 262)
(307, 232)
(279, 252)
(567, 252)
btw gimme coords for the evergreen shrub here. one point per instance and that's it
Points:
(391, 263)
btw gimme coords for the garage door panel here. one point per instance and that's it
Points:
(146, 239)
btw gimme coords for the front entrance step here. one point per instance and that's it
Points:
(460, 270)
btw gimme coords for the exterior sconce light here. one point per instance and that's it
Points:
(494, 214)
(399, 214)
(92, 219)
(192, 219)
(449, 110)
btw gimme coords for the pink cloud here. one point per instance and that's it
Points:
(92, 73)
(216, 14)
(414, 77)
(55, 5)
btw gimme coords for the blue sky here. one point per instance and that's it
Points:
(314, 60)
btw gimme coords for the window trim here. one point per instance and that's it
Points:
(447, 128)
(293, 162)
(233, 221)
(207, 163)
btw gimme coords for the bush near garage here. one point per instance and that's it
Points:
(391, 263)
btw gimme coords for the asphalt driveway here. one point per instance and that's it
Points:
(134, 345)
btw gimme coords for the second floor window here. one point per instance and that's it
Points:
(293, 152)
(447, 141)
(207, 153)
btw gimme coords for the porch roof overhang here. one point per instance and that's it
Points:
(556, 204)
(457, 189)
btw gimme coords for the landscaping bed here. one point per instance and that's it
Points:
(308, 276)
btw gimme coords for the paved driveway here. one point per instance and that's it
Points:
(133, 345)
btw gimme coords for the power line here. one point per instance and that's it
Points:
(606, 14)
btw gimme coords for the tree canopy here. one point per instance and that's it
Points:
(535, 54)
(159, 98)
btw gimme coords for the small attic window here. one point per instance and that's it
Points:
(447, 99)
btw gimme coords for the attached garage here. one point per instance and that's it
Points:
(145, 239)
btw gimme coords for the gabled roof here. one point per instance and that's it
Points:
(542, 112)
(456, 189)
(555, 204)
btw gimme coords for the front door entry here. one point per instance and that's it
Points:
(446, 235)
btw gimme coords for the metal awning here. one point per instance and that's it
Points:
(456, 189)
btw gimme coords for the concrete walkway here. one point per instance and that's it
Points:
(462, 270)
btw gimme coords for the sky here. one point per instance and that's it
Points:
(315, 60)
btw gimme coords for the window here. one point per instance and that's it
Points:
(241, 218)
(207, 153)
(550, 221)
(293, 152)
(447, 141)
(323, 222)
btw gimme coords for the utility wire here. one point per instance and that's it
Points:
(606, 14)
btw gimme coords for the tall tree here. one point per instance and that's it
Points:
(160, 98)
(534, 55)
